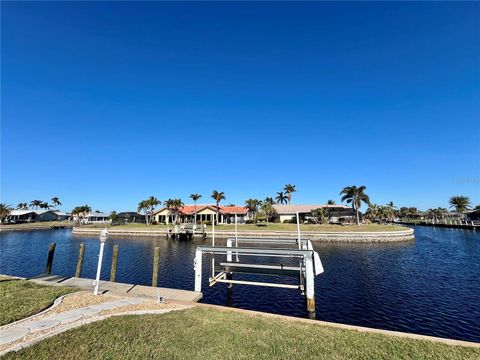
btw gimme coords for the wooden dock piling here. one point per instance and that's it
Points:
(156, 260)
(81, 252)
(51, 252)
(113, 272)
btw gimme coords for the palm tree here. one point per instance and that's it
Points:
(147, 206)
(372, 212)
(331, 202)
(36, 203)
(267, 208)
(460, 203)
(289, 189)
(81, 211)
(174, 206)
(195, 197)
(252, 205)
(45, 205)
(22, 206)
(281, 198)
(143, 206)
(4, 212)
(56, 201)
(355, 196)
(218, 196)
(269, 200)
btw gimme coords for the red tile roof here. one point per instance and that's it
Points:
(190, 209)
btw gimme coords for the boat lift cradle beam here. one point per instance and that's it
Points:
(308, 271)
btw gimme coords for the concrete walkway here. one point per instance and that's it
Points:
(14, 332)
(120, 289)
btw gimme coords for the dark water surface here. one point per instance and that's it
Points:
(428, 286)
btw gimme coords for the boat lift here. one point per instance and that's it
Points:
(301, 250)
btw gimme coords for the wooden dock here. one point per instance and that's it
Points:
(119, 289)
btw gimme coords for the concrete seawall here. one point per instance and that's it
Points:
(381, 236)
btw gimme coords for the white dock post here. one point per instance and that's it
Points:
(198, 270)
(298, 232)
(310, 285)
(103, 238)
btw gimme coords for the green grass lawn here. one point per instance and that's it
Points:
(22, 298)
(202, 333)
(272, 227)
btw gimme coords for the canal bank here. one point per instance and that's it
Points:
(405, 234)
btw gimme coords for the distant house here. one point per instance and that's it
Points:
(473, 215)
(338, 213)
(205, 213)
(62, 216)
(22, 216)
(129, 217)
(97, 218)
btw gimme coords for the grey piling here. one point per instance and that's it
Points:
(156, 260)
(51, 252)
(81, 252)
(113, 272)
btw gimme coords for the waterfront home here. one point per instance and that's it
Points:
(205, 213)
(129, 217)
(26, 216)
(97, 218)
(473, 215)
(338, 213)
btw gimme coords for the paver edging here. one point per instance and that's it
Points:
(56, 303)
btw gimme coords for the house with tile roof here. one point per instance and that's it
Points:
(204, 213)
(338, 213)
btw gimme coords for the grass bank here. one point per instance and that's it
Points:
(22, 298)
(271, 227)
(203, 333)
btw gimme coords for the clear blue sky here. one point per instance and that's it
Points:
(107, 103)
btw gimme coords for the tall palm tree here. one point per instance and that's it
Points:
(331, 202)
(218, 196)
(252, 205)
(4, 212)
(289, 189)
(281, 198)
(56, 201)
(355, 196)
(460, 203)
(36, 203)
(195, 197)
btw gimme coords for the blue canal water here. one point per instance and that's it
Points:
(428, 286)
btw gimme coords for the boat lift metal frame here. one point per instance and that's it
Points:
(309, 262)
